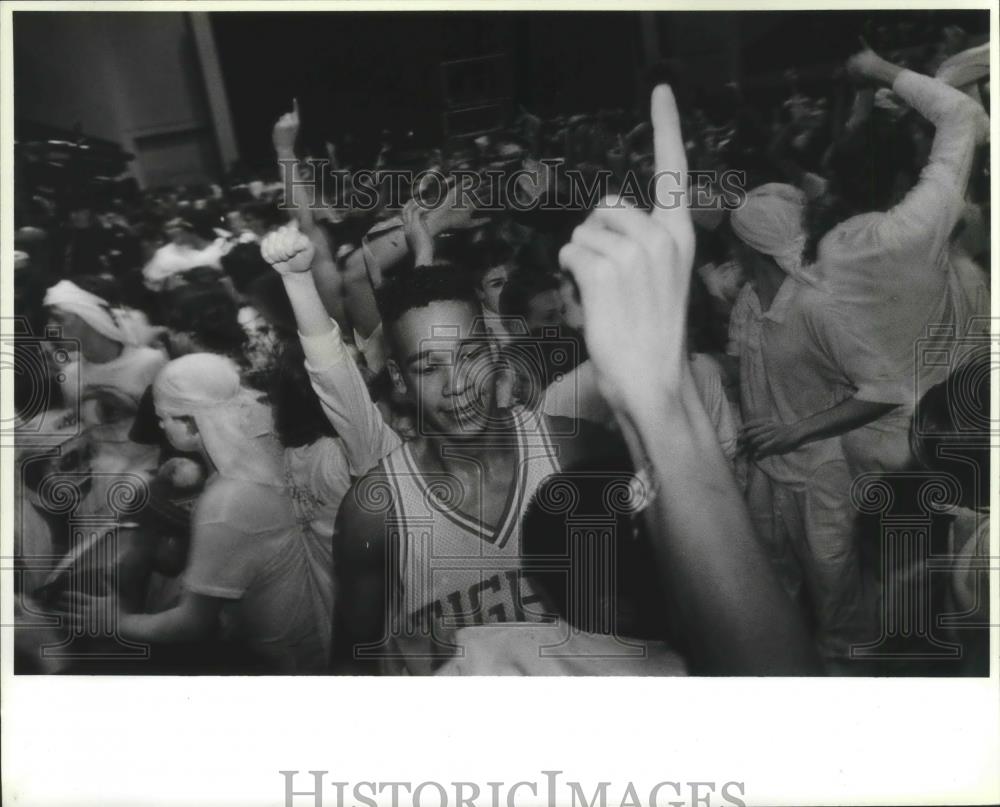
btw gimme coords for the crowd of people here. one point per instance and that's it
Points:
(637, 437)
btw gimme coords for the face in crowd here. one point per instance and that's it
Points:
(446, 366)
(490, 286)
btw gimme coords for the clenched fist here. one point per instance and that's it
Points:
(288, 250)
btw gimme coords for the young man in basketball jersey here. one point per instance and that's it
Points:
(429, 540)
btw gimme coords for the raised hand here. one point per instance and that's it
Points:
(418, 236)
(633, 271)
(457, 211)
(286, 130)
(866, 67)
(288, 250)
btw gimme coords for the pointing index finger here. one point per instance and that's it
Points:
(670, 198)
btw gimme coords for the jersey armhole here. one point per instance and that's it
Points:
(397, 513)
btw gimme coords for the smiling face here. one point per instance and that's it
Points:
(447, 366)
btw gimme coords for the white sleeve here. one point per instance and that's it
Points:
(345, 399)
(372, 348)
(708, 379)
(923, 220)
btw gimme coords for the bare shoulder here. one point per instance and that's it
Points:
(363, 516)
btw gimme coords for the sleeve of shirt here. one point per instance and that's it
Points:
(737, 322)
(332, 474)
(219, 564)
(345, 400)
(863, 365)
(708, 379)
(372, 349)
(924, 220)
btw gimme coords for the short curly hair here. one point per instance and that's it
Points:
(422, 286)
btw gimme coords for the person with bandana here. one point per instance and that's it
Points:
(798, 361)
(254, 576)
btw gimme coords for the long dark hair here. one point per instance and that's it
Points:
(299, 419)
(208, 313)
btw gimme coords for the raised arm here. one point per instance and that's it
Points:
(388, 248)
(633, 272)
(931, 209)
(332, 371)
(283, 135)
(329, 281)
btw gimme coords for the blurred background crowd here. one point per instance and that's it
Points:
(116, 278)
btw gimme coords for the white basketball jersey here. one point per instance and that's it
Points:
(454, 569)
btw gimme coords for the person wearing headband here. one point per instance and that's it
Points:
(797, 362)
(254, 577)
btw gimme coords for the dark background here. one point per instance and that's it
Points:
(361, 72)
(142, 83)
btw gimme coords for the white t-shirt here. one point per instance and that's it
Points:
(247, 547)
(318, 477)
(890, 272)
(172, 259)
(799, 358)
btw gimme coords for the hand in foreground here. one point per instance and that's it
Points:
(286, 130)
(767, 438)
(288, 250)
(633, 271)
